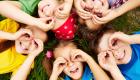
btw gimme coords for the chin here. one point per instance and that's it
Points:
(76, 77)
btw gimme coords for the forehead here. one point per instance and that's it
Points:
(64, 51)
(103, 43)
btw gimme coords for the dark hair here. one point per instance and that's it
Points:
(6, 45)
(93, 37)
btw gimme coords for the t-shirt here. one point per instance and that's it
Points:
(116, 3)
(87, 75)
(29, 6)
(10, 60)
(131, 71)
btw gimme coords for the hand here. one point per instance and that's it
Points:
(22, 32)
(62, 11)
(107, 60)
(46, 23)
(80, 5)
(58, 66)
(119, 36)
(39, 48)
(109, 15)
(79, 55)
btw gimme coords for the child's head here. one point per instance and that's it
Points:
(27, 42)
(73, 69)
(47, 7)
(122, 52)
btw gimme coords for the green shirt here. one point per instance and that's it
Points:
(29, 6)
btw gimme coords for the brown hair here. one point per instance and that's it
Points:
(48, 63)
(93, 37)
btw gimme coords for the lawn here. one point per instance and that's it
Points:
(129, 22)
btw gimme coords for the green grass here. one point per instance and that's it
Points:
(128, 23)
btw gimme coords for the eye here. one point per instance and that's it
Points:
(36, 45)
(62, 64)
(27, 35)
(114, 43)
(48, 4)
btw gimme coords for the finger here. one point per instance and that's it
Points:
(84, 16)
(98, 20)
(39, 44)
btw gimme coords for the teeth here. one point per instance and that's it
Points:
(121, 56)
(74, 71)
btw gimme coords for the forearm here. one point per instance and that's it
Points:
(135, 39)
(98, 73)
(116, 74)
(91, 25)
(53, 77)
(127, 6)
(68, 5)
(6, 35)
(24, 69)
(10, 10)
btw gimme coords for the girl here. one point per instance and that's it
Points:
(118, 53)
(101, 12)
(26, 41)
(64, 27)
(75, 64)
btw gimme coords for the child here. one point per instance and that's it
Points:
(104, 14)
(64, 27)
(75, 64)
(22, 10)
(26, 41)
(118, 53)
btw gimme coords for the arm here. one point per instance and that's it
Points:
(63, 11)
(97, 71)
(26, 66)
(130, 39)
(58, 67)
(107, 62)
(24, 69)
(90, 24)
(99, 74)
(12, 9)
(113, 13)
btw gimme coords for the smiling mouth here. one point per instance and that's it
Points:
(122, 56)
(74, 71)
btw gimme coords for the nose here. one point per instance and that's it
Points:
(26, 43)
(116, 54)
(47, 12)
(70, 63)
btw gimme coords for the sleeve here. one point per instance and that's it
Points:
(29, 6)
(138, 32)
(9, 25)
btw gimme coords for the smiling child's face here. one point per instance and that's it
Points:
(27, 43)
(72, 69)
(47, 7)
(122, 53)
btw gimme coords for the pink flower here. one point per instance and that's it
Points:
(49, 54)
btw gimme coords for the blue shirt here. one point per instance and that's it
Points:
(87, 75)
(131, 71)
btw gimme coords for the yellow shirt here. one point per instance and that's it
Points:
(10, 60)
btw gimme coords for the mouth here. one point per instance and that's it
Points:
(122, 55)
(73, 71)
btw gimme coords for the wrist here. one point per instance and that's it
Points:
(53, 76)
